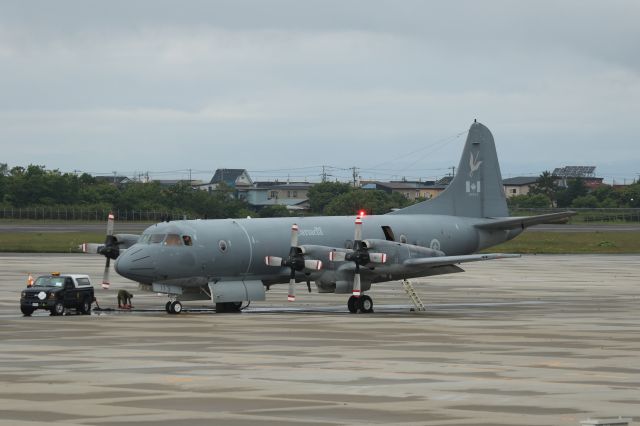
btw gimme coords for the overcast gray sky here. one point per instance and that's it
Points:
(283, 87)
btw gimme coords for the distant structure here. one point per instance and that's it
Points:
(236, 179)
(587, 173)
(519, 185)
(574, 171)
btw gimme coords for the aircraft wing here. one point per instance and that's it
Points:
(523, 221)
(452, 260)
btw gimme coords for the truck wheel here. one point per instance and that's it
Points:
(85, 307)
(58, 309)
(26, 311)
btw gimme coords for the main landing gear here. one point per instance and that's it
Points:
(174, 307)
(362, 304)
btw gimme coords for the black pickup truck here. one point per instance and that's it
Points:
(57, 293)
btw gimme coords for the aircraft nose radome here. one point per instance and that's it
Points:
(136, 264)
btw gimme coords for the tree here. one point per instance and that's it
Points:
(630, 195)
(371, 201)
(546, 185)
(274, 211)
(529, 201)
(575, 188)
(4, 171)
(321, 194)
(585, 201)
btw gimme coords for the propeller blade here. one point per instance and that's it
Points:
(337, 256)
(110, 220)
(292, 290)
(378, 257)
(105, 277)
(309, 286)
(358, 233)
(273, 261)
(356, 284)
(315, 265)
(294, 235)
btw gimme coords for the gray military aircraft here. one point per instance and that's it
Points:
(230, 261)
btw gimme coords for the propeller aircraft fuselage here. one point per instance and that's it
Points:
(234, 260)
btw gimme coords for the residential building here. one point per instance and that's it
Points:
(519, 185)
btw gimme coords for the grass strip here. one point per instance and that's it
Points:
(46, 242)
(572, 243)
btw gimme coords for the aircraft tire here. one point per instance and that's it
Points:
(353, 304)
(167, 307)
(366, 304)
(176, 307)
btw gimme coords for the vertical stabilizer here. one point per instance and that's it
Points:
(476, 190)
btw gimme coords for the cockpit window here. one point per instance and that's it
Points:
(187, 240)
(144, 239)
(173, 240)
(156, 238)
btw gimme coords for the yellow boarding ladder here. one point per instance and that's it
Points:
(411, 292)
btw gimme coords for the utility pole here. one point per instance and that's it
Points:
(355, 175)
(453, 171)
(189, 176)
(324, 174)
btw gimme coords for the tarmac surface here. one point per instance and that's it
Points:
(540, 340)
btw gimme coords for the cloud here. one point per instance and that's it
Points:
(353, 78)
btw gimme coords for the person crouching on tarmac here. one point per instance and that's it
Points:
(124, 299)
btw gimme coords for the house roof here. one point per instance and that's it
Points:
(446, 180)
(520, 180)
(112, 179)
(400, 186)
(228, 176)
(293, 185)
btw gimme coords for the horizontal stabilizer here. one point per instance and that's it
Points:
(452, 260)
(524, 221)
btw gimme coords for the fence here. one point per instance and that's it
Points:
(62, 213)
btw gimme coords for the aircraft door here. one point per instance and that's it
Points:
(228, 249)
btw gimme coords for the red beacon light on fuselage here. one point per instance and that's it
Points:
(361, 213)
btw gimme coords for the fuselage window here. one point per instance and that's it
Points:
(187, 240)
(173, 240)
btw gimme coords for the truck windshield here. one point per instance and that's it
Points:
(50, 282)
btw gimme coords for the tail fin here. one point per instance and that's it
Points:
(476, 190)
